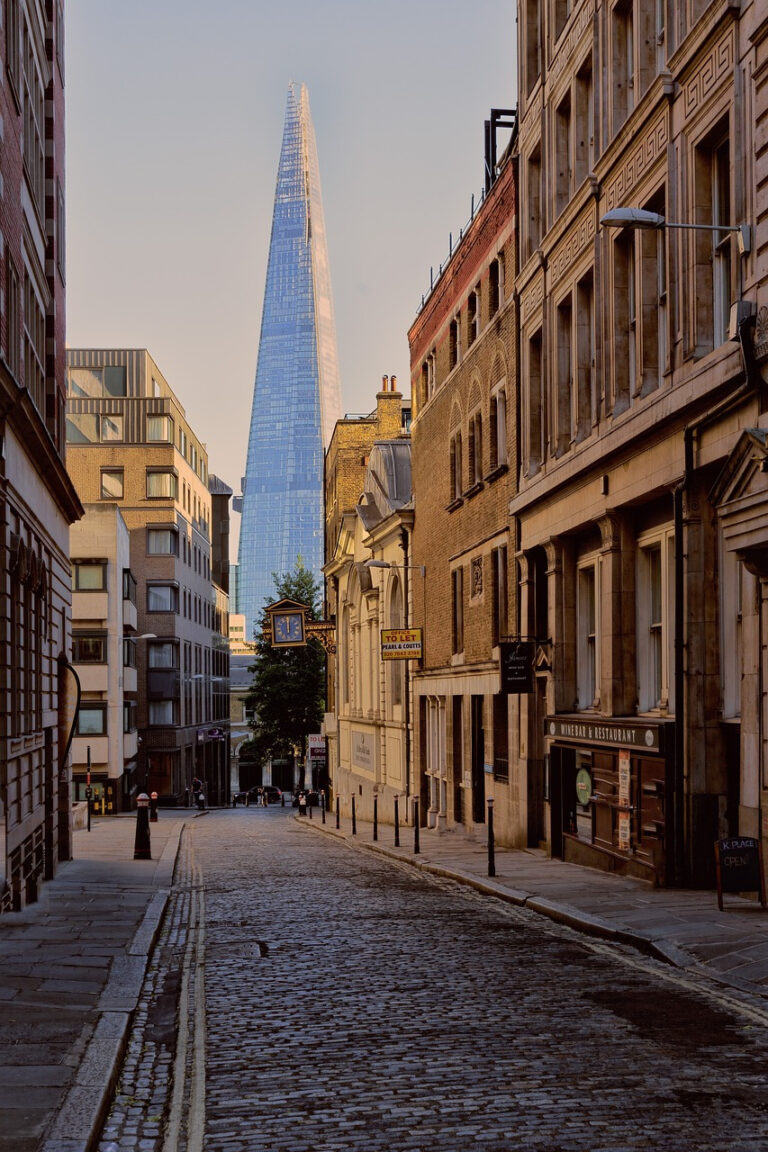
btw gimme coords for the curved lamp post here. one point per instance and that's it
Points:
(641, 218)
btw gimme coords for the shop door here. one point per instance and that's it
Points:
(650, 794)
(478, 761)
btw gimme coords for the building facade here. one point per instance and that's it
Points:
(37, 498)
(104, 619)
(296, 397)
(463, 381)
(130, 446)
(368, 730)
(640, 513)
(346, 465)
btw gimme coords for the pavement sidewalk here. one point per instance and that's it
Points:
(682, 927)
(71, 972)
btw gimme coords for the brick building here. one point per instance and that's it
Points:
(463, 380)
(641, 510)
(130, 445)
(38, 500)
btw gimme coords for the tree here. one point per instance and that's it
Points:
(287, 695)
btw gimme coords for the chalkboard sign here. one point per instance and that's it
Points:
(516, 659)
(739, 867)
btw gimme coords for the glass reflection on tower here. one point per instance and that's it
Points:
(296, 398)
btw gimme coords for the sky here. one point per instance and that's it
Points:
(174, 123)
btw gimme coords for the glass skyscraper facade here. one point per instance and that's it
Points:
(296, 397)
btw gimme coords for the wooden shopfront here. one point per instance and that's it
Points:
(610, 787)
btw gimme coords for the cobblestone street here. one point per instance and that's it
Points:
(353, 1004)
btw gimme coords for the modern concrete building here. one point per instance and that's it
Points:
(640, 519)
(104, 619)
(130, 445)
(296, 397)
(464, 387)
(37, 498)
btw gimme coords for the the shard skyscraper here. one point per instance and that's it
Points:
(296, 397)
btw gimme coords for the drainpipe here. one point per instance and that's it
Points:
(752, 381)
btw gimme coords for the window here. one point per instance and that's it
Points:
(111, 428)
(34, 121)
(494, 284)
(532, 43)
(162, 598)
(584, 401)
(562, 12)
(112, 484)
(162, 712)
(91, 719)
(162, 542)
(163, 654)
(655, 592)
(535, 204)
(160, 428)
(563, 154)
(587, 647)
(89, 575)
(583, 112)
(428, 377)
(129, 716)
(501, 737)
(61, 232)
(454, 343)
(475, 449)
(34, 343)
(499, 589)
(129, 586)
(457, 591)
(89, 648)
(473, 316)
(733, 595)
(115, 380)
(623, 62)
(498, 434)
(536, 403)
(456, 466)
(163, 484)
(564, 367)
(12, 46)
(624, 328)
(13, 314)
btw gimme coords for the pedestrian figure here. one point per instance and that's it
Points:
(201, 800)
(265, 798)
(260, 798)
(302, 803)
(197, 787)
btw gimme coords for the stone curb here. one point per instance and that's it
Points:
(86, 1104)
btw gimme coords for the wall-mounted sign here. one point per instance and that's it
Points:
(628, 732)
(401, 643)
(363, 750)
(516, 665)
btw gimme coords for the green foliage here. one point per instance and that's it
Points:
(287, 695)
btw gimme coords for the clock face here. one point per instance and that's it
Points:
(288, 628)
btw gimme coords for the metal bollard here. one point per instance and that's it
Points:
(491, 843)
(309, 808)
(397, 823)
(142, 849)
(337, 812)
(375, 817)
(322, 805)
(416, 848)
(153, 807)
(354, 820)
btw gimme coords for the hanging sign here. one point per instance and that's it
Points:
(516, 665)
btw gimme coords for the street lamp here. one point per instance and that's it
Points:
(641, 218)
(391, 564)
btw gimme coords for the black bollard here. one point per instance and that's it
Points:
(153, 807)
(354, 820)
(282, 799)
(397, 823)
(142, 849)
(491, 844)
(416, 848)
(309, 808)
(322, 804)
(337, 812)
(375, 817)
